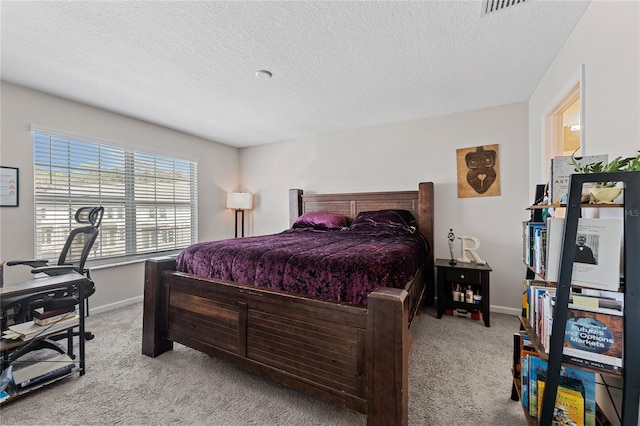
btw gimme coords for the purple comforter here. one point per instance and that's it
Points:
(338, 265)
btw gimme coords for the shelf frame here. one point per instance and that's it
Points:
(631, 345)
(36, 285)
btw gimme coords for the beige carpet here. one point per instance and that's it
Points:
(459, 375)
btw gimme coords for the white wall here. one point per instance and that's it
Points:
(218, 173)
(607, 41)
(398, 157)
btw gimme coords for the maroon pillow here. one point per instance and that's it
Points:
(387, 217)
(320, 220)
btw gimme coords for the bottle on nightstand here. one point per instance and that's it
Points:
(469, 295)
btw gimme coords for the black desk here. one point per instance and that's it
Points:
(37, 285)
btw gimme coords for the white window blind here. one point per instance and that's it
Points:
(150, 200)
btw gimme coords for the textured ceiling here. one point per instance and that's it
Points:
(336, 65)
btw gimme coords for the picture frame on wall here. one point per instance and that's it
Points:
(9, 187)
(478, 171)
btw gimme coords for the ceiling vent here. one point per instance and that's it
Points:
(492, 6)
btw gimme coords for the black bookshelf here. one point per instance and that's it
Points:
(631, 370)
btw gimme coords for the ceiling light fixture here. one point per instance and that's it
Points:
(263, 74)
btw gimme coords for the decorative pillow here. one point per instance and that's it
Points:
(388, 217)
(380, 229)
(320, 220)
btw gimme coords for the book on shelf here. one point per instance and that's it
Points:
(544, 316)
(526, 350)
(42, 371)
(525, 242)
(540, 303)
(530, 231)
(539, 250)
(601, 299)
(594, 337)
(517, 344)
(561, 169)
(54, 319)
(594, 329)
(524, 382)
(527, 294)
(41, 313)
(597, 263)
(575, 399)
(29, 330)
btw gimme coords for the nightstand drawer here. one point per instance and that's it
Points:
(466, 277)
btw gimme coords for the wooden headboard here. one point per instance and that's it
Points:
(419, 202)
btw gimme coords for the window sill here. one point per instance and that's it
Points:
(97, 264)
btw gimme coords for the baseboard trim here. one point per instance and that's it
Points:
(494, 308)
(505, 310)
(115, 305)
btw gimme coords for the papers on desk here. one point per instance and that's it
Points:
(28, 330)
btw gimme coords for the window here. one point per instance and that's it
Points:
(150, 200)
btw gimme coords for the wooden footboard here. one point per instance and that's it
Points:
(350, 356)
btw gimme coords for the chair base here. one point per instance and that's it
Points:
(87, 336)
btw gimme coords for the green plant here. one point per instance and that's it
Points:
(618, 164)
(634, 164)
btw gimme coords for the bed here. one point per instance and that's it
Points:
(355, 355)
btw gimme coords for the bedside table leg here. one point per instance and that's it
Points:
(440, 292)
(485, 299)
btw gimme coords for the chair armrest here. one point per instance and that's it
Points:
(54, 303)
(34, 263)
(54, 269)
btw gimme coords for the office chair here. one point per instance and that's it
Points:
(72, 258)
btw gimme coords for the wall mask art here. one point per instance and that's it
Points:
(478, 171)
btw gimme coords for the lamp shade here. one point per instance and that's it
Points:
(239, 200)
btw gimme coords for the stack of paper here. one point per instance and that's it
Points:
(28, 330)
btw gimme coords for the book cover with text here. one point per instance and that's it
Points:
(597, 261)
(561, 169)
(594, 339)
(576, 393)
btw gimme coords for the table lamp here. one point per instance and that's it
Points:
(239, 201)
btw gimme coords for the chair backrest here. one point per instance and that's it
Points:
(80, 240)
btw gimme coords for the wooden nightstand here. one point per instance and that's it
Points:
(464, 274)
